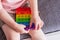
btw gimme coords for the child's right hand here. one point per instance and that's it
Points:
(20, 28)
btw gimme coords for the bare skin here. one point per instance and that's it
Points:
(13, 30)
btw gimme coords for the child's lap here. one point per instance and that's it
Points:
(13, 16)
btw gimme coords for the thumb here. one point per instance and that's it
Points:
(30, 24)
(22, 25)
(36, 24)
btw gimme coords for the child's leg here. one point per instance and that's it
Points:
(37, 35)
(10, 33)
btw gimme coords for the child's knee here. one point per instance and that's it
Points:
(10, 34)
(4, 26)
(35, 32)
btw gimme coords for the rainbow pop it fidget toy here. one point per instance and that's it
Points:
(23, 15)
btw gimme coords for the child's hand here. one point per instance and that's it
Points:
(20, 28)
(37, 21)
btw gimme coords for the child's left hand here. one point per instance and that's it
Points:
(37, 21)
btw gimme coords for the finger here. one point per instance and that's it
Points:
(30, 24)
(22, 25)
(36, 26)
(40, 25)
(24, 31)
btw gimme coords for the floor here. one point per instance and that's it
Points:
(51, 36)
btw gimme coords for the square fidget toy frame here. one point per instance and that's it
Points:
(23, 16)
